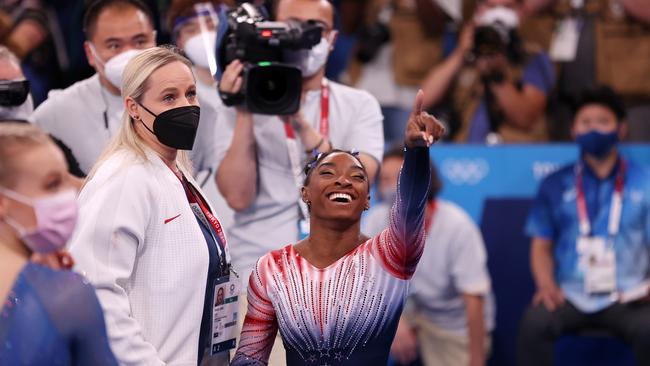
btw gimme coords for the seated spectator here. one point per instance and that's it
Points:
(450, 310)
(590, 236)
(495, 85)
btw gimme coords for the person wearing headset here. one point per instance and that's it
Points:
(147, 238)
(48, 316)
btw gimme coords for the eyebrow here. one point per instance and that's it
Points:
(169, 89)
(139, 35)
(328, 164)
(113, 39)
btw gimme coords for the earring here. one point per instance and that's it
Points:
(137, 118)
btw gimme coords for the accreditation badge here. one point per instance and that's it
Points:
(224, 313)
(598, 261)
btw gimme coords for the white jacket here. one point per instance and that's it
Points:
(139, 244)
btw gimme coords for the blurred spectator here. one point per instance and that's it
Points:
(496, 86)
(398, 42)
(87, 114)
(590, 232)
(23, 25)
(596, 42)
(47, 37)
(16, 102)
(450, 310)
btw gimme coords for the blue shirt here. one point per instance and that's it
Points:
(52, 318)
(554, 217)
(537, 73)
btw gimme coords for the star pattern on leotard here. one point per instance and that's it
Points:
(324, 353)
(338, 356)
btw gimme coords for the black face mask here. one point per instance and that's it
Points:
(176, 127)
(13, 93)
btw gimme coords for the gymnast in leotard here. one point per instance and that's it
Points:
(336, 296)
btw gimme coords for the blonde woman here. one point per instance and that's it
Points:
(147, 239)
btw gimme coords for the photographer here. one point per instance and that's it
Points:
(497, 88)
(258, 154)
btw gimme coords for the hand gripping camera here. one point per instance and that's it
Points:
(270, 85)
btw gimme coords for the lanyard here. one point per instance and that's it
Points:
(292, 144)
(430, 211)
(207, 218)
(616, 205)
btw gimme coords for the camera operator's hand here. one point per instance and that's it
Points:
(422, 129)
(231, 80)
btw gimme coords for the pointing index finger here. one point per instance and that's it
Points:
(419, 103)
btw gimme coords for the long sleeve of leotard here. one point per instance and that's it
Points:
(400, 246)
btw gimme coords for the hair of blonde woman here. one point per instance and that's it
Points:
(16, 138)
(135, 82)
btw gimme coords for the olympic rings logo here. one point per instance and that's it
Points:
(465, 171)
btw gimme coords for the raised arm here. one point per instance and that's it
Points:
(236, 176)
(400, 246)
(439, 80)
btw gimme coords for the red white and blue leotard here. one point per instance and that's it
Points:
(347, 313)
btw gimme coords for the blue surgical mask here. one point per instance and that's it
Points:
(597, 144)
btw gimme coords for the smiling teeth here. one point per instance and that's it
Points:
(344, 196)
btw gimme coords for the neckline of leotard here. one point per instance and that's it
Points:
(293, 251)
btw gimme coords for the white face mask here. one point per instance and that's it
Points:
(18, 113)
(201, 47)
(500, 14)
(310, 61)
(114, 67)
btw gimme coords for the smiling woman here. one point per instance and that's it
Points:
(147, 239)
(337, 295)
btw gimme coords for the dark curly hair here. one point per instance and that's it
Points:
(316, 160)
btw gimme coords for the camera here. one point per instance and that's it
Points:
(497, 38)
(270, 84)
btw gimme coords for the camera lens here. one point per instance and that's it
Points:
(272, 88)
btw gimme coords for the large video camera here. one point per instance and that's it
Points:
(270, 85)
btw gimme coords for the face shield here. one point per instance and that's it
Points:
(200, 47)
